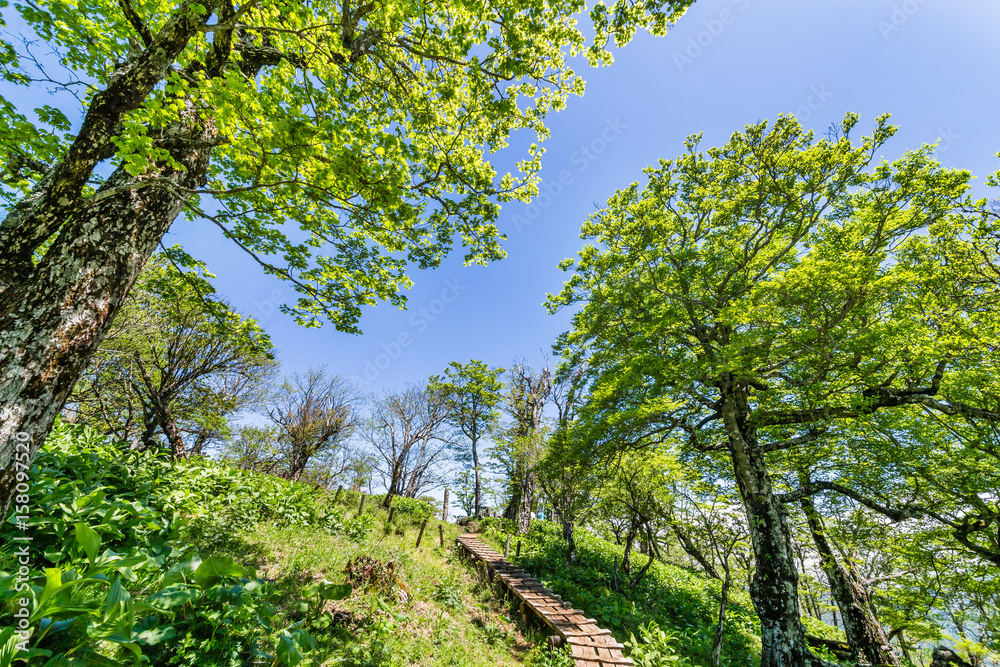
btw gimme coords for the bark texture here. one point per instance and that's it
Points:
(774, 589)
(55, 314)
(863, 631)
(65, 305)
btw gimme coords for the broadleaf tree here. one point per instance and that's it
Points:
(757, 297)
(176, 360)
(472, 395)
(336, 143)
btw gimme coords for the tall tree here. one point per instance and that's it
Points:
(314, 416)
(863, 631)
(566, 473)
(520, 443)
(755, 297)
(334, 143)
(472, 392)
(409, 434)
(178, 360)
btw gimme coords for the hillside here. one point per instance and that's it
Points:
(144, 560)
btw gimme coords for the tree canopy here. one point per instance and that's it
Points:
(337, 144)
(768, 295)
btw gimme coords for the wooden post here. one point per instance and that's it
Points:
(506, 546)
(441, 534)
(361, 507)
(524, 614)
(421, 535)
(444, 507)
(518, 554)
(336, 497)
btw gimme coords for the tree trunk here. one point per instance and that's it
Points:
(774, 589)
(863, 631)
(522, 497)
(720, 627)
(394, 484)
(627, 556)
(527, 498)
(945, 657)
(416, 474)
(475, 467)
(692, 550)
(168, 425)
(54, 319)
(567, 526)
(146, 438)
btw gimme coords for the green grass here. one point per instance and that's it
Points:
(137, 559)
(436, 612)
(681, 603)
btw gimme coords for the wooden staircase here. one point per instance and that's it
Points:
(591, 646)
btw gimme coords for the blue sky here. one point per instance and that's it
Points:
(932, 64)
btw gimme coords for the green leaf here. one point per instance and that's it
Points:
(173, 596)
(88, 539)
(155, 635)
(183, 571)
(293, 645)
(216, 567)
(334, 591)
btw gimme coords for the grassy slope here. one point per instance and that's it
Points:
(287, 537)
(448, 616)
(198, 563)
(681, 602)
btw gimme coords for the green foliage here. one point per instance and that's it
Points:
(114, 536)
(348, 162)
(655, 648)
(175, 350)
(449, 594)
(414, 508)
(803, 300)
(680, 603)
(472, 392)
(357, 527)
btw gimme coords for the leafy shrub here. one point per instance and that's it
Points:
(413, 507)
(357, 528)
(656, 648)
(118, 583)
(448, 594)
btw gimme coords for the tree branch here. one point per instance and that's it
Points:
(813, 434)
(136, 21)
(812, 488)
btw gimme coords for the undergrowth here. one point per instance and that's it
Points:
(669, 619)
(138, 559)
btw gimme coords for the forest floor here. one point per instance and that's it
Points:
(423, 607)
(140, 559)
